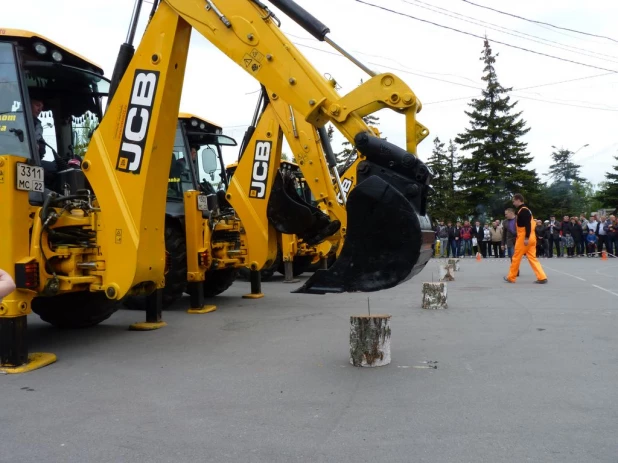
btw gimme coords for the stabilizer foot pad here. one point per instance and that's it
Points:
(253, 296)
(146, 326)
(35, 361)
(291, 281)
(204, 309)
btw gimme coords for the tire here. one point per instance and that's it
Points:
(74, 310)
(176, 278)
(218, 281)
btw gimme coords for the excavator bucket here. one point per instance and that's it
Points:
(389, 236)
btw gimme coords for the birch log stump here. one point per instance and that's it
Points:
(370, 340)
(454, 263)
(434, 296)
(446, 273)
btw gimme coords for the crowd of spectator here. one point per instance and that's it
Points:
(569, 237)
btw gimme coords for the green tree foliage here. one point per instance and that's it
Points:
(444, 204)
(568, 191)
(498, 164)
(608, 193)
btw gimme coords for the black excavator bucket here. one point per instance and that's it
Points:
(389, 235)
(290, 214)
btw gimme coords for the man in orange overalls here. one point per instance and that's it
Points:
(525, 243)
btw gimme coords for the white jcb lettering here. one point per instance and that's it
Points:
(142, 124)
(137, 155)
(143, 89)
(262, 151)
(259, 175)
(260, 171)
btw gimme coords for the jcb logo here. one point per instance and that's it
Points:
(259, 175)
(135, 132)
(346, 184)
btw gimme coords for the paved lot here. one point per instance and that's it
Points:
(525, 372)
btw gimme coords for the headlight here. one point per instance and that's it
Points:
(193, 122)
(40, 48)
(202, 126)
(57, 56)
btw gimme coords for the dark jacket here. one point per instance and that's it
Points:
(576, 231)
(566, 227)
(452, 232)
(508, 237)
(442, 232)
(540, 232)
(478, 233)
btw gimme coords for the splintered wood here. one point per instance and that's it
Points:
(370, 340)
(434, 296)
(454, 263)
(446, 273)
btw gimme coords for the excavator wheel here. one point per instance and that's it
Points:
(217, 281)
(176, 277)
(74, 310)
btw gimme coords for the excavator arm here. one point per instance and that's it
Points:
(130, 151)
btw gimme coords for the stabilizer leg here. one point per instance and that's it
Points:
(154, 308)
(14, 356)
(288, 268)
(256, 286)
(196, 293)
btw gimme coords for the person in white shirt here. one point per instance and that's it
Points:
(601, 231)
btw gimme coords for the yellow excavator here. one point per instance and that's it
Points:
(294, 256)
(203, 240)
(95, 233)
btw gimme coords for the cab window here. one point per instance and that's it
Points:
(13, 132)
(180, 173)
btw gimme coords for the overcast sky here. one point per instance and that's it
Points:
(438, 64)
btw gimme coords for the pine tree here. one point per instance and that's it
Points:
(608, 194)
(568, 189)
(497, 166)
(444, 203)
(564, 169)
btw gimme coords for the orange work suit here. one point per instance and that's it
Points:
(529, 251)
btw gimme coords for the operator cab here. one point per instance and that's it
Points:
(50, 104)
(197, 162)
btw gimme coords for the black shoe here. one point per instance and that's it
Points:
(507, 280)
(541, 282)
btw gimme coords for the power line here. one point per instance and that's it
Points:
(514, 33)
(484, 38)
(474, 87)
(541, 22)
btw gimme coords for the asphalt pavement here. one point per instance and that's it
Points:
(524, 372)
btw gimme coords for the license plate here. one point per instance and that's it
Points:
(202, 202)
(30, 178)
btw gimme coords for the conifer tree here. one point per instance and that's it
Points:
(497, 167)
(608, 194)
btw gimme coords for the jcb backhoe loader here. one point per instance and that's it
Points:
(104, 240)
(294, 256)
(205, 247)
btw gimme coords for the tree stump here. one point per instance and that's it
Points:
(434, 296)
(446, 273)
(454, 263)
(370, 340)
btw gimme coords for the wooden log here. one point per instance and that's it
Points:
(446, 273)
(454, 263)
(370, 340)
(434, 296)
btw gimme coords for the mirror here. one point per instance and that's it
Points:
(209, 160)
